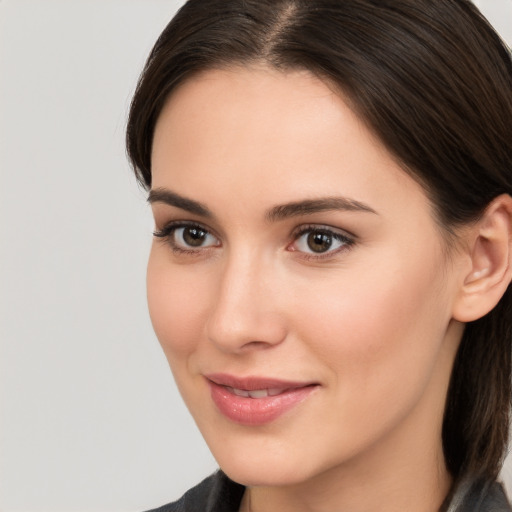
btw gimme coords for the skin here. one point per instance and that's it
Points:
(371, 321)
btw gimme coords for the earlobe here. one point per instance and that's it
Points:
(489, 245)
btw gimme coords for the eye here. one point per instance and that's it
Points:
(187, 237)
(319, 240)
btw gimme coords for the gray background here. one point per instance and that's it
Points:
(89, 417)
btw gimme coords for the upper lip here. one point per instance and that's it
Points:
(252, 383)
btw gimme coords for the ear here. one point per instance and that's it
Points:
(489, 271)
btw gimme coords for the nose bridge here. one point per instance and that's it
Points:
(244, 311)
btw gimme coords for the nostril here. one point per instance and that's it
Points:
(256, 345)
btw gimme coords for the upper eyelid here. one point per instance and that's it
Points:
(166, 234)
(304, 228)
(347, 240)
(176, 224)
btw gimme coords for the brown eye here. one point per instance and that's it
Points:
(187, 237)
(319, 241)
(193, 236)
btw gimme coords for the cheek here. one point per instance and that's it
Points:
(175, 306)
(378, 330)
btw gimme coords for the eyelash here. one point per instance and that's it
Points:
(167, 232)
(347, 240)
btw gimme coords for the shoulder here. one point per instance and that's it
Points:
(495, 500)
(217, 493)
(480, 497)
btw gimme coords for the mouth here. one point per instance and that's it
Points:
(256, 393)
(253, 401)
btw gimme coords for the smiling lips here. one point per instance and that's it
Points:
(255, 401)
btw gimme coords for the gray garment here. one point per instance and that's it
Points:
(479, 497)
(218, 493)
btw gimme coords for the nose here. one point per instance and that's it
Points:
(245, 313)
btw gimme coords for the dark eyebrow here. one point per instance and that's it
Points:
(163, 195)
(310, 206)
(280, 212)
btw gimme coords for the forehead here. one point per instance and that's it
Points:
(267, 134)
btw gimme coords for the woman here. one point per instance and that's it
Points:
(329, 279)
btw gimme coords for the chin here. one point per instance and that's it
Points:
(262, 474)
(270, 467)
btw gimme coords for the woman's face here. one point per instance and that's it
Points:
(299, 287)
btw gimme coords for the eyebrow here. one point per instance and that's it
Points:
(310, 206)
(276, 213)
(163, 195)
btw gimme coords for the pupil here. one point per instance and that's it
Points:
(319, 242)
(194, 236)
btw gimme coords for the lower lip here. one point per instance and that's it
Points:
(256, 411)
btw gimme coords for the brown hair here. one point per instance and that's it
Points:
(434, 81)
